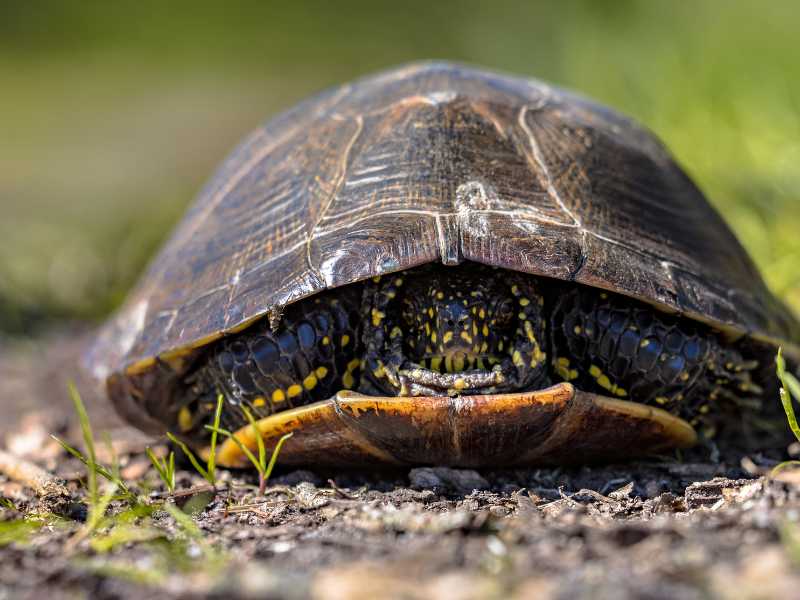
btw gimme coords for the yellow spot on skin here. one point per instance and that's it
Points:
(278, 396)
(321, 372)
(562, 368)
(474, 328)
(484, 347)
(684, 376)
(595, 371)
(465, 303)
(439, 295)
(481, 364)
(538, 355)
(185, 419)
(485, 330)
(398, 282)
(353, 365)
(345, 340)
(347, 381)
(577, 330)
(436, 363)
(515, 290)
(529, 332)
(524, 302)
(604, 296)
(379, 371)
(326, 340)
(448, 335)
(482, 313)
(703, 409)
(310, 382)
(604, 382)
(500, 346)
(376, 279)
(620, 392)
(459, 384)
(390, 294)
(427, 328)
(377, 317)
(430, 312)
(662, 400)
(294, 390)
(644, 343)
(516, 358)
(259, 402)
(434, 337)
(522, 316)
(396, 332)
(466, 337)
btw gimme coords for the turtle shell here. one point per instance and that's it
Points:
(558, 425)
(438, 162)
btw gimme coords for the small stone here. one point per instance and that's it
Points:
(461, 481)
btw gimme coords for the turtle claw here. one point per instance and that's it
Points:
(418, 381)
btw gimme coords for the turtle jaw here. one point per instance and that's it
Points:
(420, 381)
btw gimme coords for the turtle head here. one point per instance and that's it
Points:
(449, 330)
(455, 323)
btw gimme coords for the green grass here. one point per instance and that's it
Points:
(789, 393)
(209, 471)
(165, 468)
(260, 463)
(89, 459)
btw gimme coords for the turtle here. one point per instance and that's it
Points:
(439, 264)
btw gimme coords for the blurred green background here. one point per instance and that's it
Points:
(113, 114)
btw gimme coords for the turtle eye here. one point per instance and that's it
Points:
(505, 312)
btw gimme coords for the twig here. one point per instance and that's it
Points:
(28, 474)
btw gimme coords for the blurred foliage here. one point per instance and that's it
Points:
(113, 114)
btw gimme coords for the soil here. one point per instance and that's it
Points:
(707, 524)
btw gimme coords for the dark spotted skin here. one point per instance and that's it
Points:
(309, 357)
(481, 329)
(441, 330)
(625, 349)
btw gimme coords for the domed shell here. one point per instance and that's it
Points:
(438, 162)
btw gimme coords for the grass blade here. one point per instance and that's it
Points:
(98, 468)
(88, 440)
(212, 454)
(274, 458)
(166, 470)
(262, 451)
(790, 388)
(245, 450)
(190, 455)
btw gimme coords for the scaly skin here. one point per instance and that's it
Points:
(439, 330)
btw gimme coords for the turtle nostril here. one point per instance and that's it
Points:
(450, 322)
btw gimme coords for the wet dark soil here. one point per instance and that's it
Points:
(703, 525)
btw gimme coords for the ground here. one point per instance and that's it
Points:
(694, 527)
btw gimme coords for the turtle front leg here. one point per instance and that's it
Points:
(618, 347)
(312, 354)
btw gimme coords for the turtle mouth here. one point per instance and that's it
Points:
(458, 362)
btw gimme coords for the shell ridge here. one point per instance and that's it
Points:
(332, 196)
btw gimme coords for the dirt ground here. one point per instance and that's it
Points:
(699, 527)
